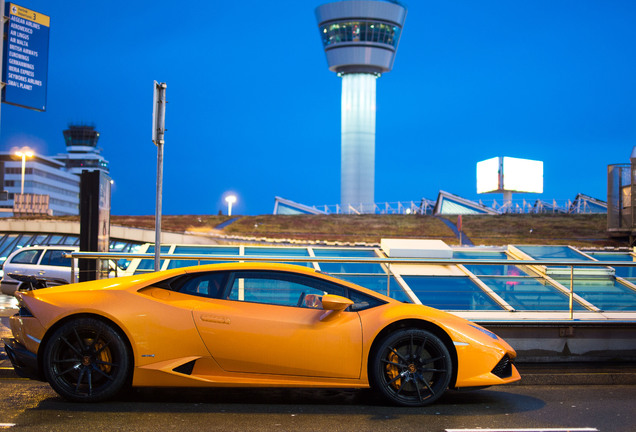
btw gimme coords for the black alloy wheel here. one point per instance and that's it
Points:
(411, 368)
(86, 360)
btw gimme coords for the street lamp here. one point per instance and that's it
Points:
(230, 199)
(24, 153)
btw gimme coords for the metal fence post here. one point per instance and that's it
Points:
(572, 292)
(73, 280)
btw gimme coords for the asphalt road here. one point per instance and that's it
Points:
(33, 406)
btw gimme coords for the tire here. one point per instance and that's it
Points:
(411, 367)
(86, 360)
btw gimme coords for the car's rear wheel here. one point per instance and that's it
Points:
(86, 360)
(411, 367)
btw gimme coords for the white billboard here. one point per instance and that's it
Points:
(522, 175)
(507, 174)
(488, 175)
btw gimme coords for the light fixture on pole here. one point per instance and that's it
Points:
(230, 199)
(24, 153)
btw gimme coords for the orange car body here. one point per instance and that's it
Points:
(240, 343)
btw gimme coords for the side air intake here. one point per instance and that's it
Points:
(503, 368)
(185, 368)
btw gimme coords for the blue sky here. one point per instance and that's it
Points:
(253, 108)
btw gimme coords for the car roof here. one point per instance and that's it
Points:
(40, 247)
(135, 282)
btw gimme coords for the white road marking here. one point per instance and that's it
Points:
(526, 430)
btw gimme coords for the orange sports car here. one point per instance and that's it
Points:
(247, 325)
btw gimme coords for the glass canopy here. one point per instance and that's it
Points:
(470, 287)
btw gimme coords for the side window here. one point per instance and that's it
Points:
(56, 258)
(363, 301)
(206, 284)
(279, 288)
(27, 257)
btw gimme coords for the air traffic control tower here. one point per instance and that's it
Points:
(360, 38)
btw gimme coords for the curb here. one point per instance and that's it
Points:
(599, 378)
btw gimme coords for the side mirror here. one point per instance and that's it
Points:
(335, 303)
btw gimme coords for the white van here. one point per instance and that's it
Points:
(46, 262)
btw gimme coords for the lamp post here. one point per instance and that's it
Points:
(230, 199)
(24, 153)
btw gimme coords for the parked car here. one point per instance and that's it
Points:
(247, 325)
(44, 262)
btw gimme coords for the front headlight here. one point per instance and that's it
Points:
(484, 331)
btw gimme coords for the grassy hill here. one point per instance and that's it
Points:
(558, 229)
(577, 230)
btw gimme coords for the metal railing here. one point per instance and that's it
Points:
(535, 265)
(427, 207)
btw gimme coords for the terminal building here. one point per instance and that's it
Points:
(50, 184)
(523, 292)
(43, 176)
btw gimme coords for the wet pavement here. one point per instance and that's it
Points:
(33, 406)
(7, 302)
(8, 307)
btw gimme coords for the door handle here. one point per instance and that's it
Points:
(215, 319)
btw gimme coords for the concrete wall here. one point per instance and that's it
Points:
(570, 342)
(116, 232)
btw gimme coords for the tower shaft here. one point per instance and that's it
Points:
(360, 39)
(357, 168)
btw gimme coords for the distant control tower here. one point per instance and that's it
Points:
(82, 151)
(360, 38)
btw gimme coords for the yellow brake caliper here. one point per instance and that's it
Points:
(392, 370)
(104, 356)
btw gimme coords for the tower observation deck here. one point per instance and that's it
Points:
(360, 38)
(82, 151)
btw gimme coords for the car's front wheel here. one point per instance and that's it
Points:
(86, 360)
(411, 367)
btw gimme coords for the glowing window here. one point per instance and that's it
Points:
(359, 31)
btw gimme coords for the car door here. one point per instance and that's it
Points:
(263, 325)
(54, 265)
(24, 262)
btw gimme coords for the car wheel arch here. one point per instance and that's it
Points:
(68, 318)
(419, 325)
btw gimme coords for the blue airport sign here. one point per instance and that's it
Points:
(26, 58)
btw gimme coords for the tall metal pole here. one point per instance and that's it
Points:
(158, 207)
(158, 129)
(23, 172)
